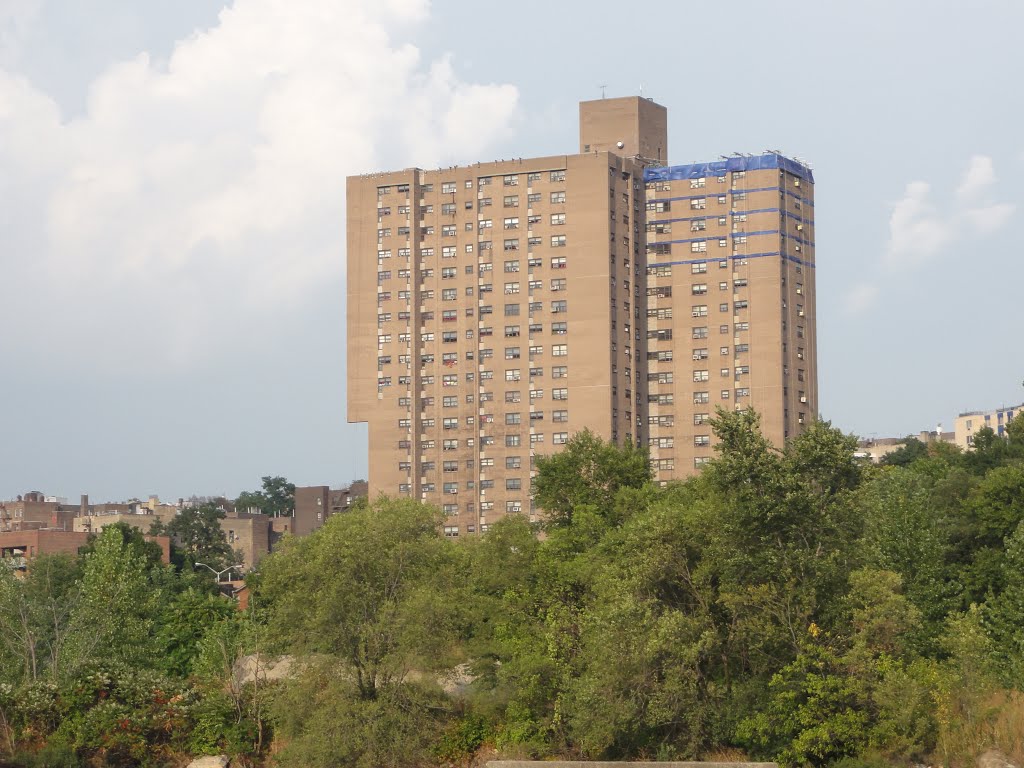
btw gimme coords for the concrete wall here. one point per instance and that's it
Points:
(311, 508)
(95, 523)
(48, 542)
(49, 514)
(250, 534)
(641, 125)
(967, 425)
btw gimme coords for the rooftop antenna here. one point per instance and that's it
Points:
(641, 90)
(602, 87)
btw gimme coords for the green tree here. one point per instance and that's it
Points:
(785, 529)
(276, 498)
(654, 613)
(1015, 436)
(34, 616)
(115, 619)
(846, 693)
(991, 514)
(816, 713)
(1003, 614)
(232, 715)
(199, 537)
(377, 596)
(989, 451)
(964, 689)
(588, 472)
(325, 721)
(185, 617)
(373, 588)
(904, 534)
(911, 450)
(132, 538)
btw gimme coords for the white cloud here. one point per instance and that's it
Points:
(210, 191)
(860, 298)
(919, 229)
(990, 218)
(916, 230)
(980, 175)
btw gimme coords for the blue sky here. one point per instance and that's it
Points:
(172, 201)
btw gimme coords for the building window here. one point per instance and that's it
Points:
(560, 438)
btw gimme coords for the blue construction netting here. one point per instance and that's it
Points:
(720, 167)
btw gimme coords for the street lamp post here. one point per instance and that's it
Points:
(217, 573)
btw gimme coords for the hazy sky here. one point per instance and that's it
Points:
(172, 260)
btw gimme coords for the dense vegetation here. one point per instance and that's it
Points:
(798, 606)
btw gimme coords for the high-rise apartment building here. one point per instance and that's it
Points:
(730, 302)
(496, 309)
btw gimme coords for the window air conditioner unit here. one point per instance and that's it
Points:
(803, 399)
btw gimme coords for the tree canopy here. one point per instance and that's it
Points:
(787, 603)
(276, 498)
